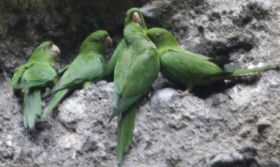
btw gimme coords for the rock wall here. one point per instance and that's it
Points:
(227, 125)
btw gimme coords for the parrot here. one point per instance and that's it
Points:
(86, 67)
(191, 69)
(31, 78)
(135, 72)
(120, 50)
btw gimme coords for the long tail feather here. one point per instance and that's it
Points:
(32, 108)
(123, 104)
(126, 123)
(243, 71)
(54, 102)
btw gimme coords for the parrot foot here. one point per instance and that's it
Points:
(87, 84)
(47, 90)
(150, 94)
(183, 93)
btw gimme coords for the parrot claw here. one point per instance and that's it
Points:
(87, 84)
(111, 117)
(183, 93)
(46, 94)
(150, 95)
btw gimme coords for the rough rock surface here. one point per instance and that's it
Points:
(229, 126)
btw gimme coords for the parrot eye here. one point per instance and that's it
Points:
(96, 40)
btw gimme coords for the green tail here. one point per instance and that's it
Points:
(32, 108)
(126, 123)
(243, 71)
(54, 102)
(123, 104)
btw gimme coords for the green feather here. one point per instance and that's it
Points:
(126, 123)
(122, 47)
(58, 97)
(33, 77)
(120, 50)
(135, 71)
(185, 67)
(243, 71)
(87, 66)
(32, 108)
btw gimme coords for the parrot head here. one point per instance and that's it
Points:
(135, 15)
(97, 41)
(48, 46)
(161, 37)
(46, 51)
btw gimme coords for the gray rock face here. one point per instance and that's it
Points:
(234, 126)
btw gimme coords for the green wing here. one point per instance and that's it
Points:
(188, 68)
(120, 50)
(32, 108)
(141, 74)
(40, 72)
(134, 74)
(133, 77)
(30, 78)
(34, 79)
(35, 76)
(126, 123)
(83, 68)
(18, 75)
(219, 61)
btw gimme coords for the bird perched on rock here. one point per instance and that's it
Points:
(121, 49)
(191, 69)
(135, 71)
(87, 66)
(33, 77)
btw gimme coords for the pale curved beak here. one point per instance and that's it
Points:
(109, 41)
(55, 50)
(136, 17)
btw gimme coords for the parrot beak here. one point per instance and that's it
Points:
(55, 50)
(108, 41)
(137, 18)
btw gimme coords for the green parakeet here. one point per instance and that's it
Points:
(31, 78)
(134, 73)
(182, 66)
(87, 66)
(120, 50)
